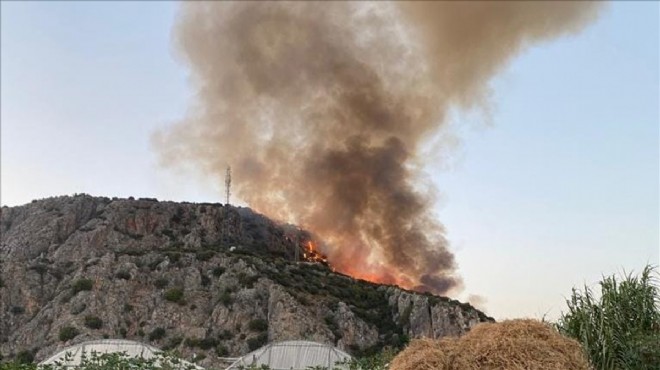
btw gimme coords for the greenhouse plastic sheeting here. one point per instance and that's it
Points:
(294, 355)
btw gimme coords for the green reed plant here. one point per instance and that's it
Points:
(619, 328)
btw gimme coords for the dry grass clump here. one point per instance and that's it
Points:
(424, 354)
(509, 345)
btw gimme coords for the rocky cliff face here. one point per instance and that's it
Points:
(205, 279)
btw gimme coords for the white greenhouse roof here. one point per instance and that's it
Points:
(295, 354)
(130, 348)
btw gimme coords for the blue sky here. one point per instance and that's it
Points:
(560, 187)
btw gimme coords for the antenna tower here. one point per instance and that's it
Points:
(228, 183)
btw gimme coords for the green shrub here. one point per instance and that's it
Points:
(204, 255)
(258, 341)
(218, 271)
(66, 298)
(132, 252)
(17, 310)
(207, 343)
(205, 281)
(25, 357)
(67, 333)
(333, 326)
(39, 268)
(258, 325)
(176, 218)
(620, 328)
(225, 335)
(221, 351)
(174, 295)
(225, 298)
(78, 308)
(173, 343)
(191, 342)
(247, 281)
(157, 334)
(81, 285)
(124, 275)
(161, 283)
(93, 322)
(174, 257)
(153, 265)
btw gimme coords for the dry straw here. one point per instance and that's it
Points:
(509, 345)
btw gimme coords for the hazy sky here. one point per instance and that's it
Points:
(558, 188)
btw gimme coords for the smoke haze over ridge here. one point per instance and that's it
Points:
(321, 109)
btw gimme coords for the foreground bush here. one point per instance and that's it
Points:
(620, 329)
(110, 361)
(379, 361)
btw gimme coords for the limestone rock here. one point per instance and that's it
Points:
(142, 265)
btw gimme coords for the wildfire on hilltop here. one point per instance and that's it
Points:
(311, 254)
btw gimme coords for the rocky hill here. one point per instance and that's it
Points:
(208, 280)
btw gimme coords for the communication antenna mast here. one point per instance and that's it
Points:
(228, 183)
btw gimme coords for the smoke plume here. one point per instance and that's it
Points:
(321, 110)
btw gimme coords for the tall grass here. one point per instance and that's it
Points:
(620, 329)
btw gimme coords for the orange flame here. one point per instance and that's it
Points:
(311, 254)
(344, 264)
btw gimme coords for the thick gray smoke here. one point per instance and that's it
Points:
(321, 109)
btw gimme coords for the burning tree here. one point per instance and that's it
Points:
(306, 244)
